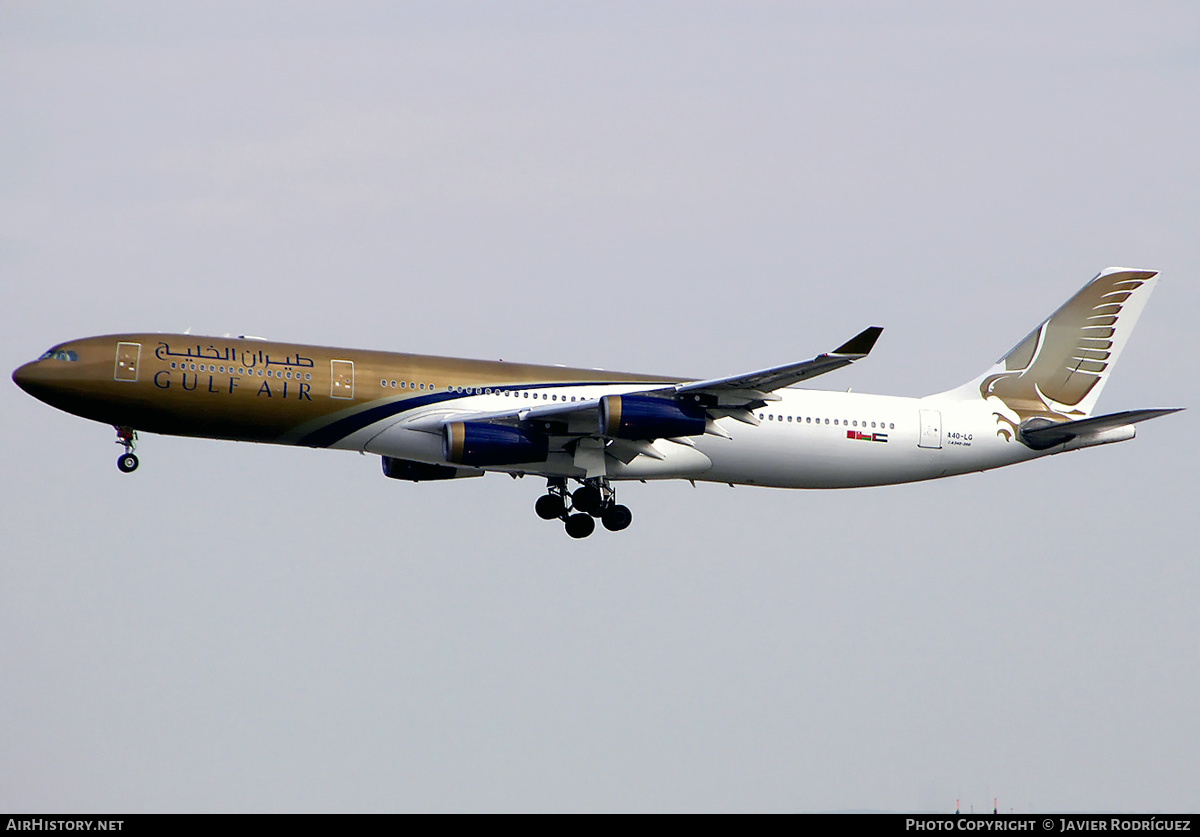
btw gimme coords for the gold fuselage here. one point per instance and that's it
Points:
(264, 391)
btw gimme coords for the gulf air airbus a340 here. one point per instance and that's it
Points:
(435, 418)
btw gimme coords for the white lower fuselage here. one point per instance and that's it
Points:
(807, 439)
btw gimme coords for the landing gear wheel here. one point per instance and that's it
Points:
(126, 438)
(550, 507)
(580, 525)
(588, 499)
(616, 518)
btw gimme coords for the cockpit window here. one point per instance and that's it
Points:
(59, 354)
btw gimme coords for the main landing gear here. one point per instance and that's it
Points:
(127, 462)
(579, 509)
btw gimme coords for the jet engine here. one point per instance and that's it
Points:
(649, 417)
(407, 469)
(480, 443)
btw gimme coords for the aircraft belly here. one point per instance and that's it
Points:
(678, 461)
(779, 459)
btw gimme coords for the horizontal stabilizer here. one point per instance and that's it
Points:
(1041, 436)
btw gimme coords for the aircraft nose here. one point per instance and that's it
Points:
(31, 377)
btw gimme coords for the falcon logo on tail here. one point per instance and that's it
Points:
(1058, 371)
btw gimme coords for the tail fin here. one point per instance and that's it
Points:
(1058, 371)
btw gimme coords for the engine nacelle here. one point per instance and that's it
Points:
(481, 443)
(406, 469)
(648, 417)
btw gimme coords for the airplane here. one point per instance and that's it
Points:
(437, 418)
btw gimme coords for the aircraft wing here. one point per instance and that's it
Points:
(756, 386)
(735, 396)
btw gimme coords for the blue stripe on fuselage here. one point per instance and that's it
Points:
(339, 429)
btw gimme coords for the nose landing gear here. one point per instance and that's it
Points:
(128, 461)
(579, 509)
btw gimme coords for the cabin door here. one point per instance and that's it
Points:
(931, 429)
(129, 356)
(342, 372)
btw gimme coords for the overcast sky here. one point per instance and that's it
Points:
(682, 188)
